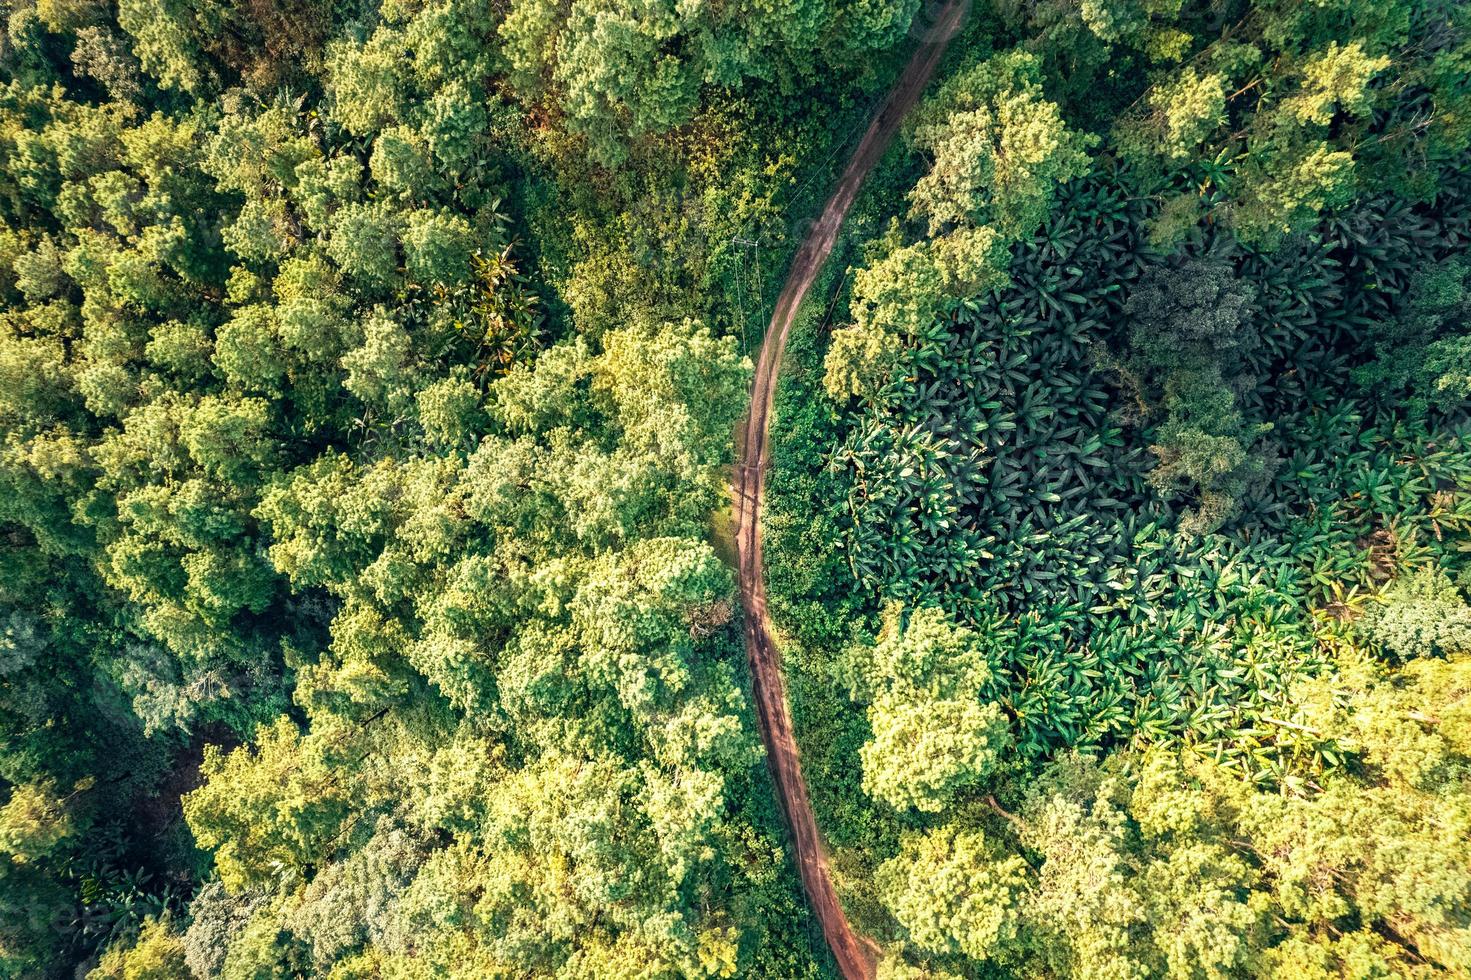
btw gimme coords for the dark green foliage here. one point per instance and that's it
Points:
(1423, 351)
(1192, 338)
(1192, 317)
(994, 473)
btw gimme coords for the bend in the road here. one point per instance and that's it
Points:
(856, 956)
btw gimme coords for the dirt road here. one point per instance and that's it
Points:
(856, 956)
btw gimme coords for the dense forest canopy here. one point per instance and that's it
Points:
(369, 374)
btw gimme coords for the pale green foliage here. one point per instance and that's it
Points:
(365, 81)
(572, 848)
(547, 396)
(1446, 370)
(247, 349)
(615, 77)
(378, 370)
(891, 967)
(68, 15)
(157, 954)
(363, 672)
(436, 247)
(999, 149)
(31, 372)
(1420, 614)
(1184, 112)
(310, 307)
(33, 823)
(1085, 902)
(366, 399)
(327, 519)
(38, 272)
(263, 948)
(1205, 445)
(325, 186)
(933, 736)
(455, 125)
(450, 412)
(261, 232)
(267, 809)
(893, 298)
(1356, 953)
(101, 54)
(859, 361)
(1114, 20)
(653, 376)
(183, 347)
(899, 293)
(1292, 189)
(971, 259)
(925, 752)
(561, 651)
(364, 243)
(39, 834)
(162, 42)
(1380, 847)
(634, 630)
(1335, 79)
(953, 891)
(400, 163)
(459, 780)
(1160, 863)
(227, 438)
(1200, 924)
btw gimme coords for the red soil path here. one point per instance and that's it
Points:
(856, 956)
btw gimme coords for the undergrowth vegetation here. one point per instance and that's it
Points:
(1003, 472)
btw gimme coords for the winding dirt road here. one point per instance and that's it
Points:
(856, 956)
